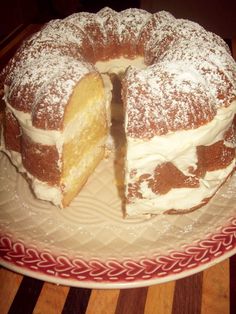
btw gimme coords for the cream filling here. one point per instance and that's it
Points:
(184, 198)
(41, 189)
(180, 149)
(78, 170)
(46, 192)
(119, 65)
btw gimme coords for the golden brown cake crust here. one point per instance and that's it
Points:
(11, 132)
(41, 161)
(62, 52)
(167, 176)
(171, 103)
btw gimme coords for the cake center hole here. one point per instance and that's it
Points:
(117, 132)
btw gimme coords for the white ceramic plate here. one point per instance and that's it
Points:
(91, 245)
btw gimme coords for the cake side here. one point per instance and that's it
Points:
(182, 170)
(45, 155)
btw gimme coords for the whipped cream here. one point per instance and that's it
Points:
(119, 65)
(180, 149)
(184, 198)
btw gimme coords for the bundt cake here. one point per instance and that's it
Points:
(179, 96)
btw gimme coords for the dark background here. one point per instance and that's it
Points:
(216, 15)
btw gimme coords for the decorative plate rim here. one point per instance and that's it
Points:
(48, 261)
(113, 273)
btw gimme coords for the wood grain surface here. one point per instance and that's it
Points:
(210, 292)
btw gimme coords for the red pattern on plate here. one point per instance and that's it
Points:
(192, 256)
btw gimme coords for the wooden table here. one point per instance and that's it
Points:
(212, 291)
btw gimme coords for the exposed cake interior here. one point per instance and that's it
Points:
(84, 147)
(60, 162)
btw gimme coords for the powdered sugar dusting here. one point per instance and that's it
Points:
(190, 74)
(164, 98)
(44, 86)
(212, 62)
(131, 21)
(91, 25)
(61, 31)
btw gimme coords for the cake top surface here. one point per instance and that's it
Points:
(190, 72)
(166, 97)
(44, 85)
